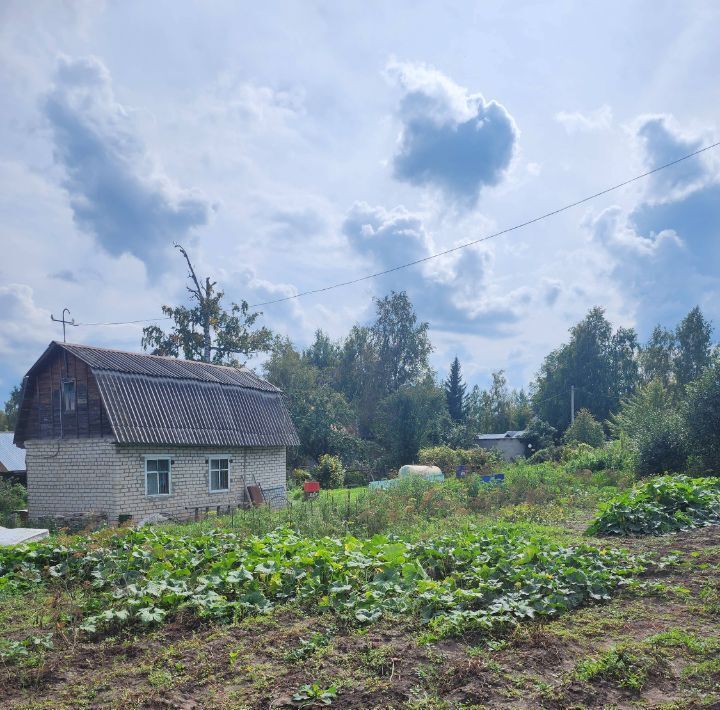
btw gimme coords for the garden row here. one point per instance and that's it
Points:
(476, 580)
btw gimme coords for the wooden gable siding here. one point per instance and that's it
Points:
(47, 420)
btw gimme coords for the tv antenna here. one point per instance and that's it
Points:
(63, 321)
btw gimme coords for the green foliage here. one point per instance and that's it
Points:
(660, 505)
(497, 409)
(13, 496)
(662, 448)
(585, 430)
(455, 392)
(298, 476)
(355, 478)
(330, 471)
(601, 364)
(538, 435)
(322, 416)
(206, 331)
(141, 578)
(447, 459)
(702, 418)
(657, 357)
(406, 420)
(651, 424)
(309, 647)
(693, 338)
(308, 695)
(27, 651)
(610, 457)
(401, 343)
(9, 415)
(627, 667)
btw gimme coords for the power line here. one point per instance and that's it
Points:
(127, 322)
(490, 236)
(407, 265)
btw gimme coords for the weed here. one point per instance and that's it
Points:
(28, 652)
(160, 679)
(309, 647)
(308, 695)
(379, 660)
(628, 668)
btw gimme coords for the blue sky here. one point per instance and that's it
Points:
(290, 145)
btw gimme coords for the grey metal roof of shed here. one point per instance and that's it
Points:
(160, 400)
(12, 457)
(506, 435)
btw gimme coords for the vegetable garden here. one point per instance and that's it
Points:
(424, 595)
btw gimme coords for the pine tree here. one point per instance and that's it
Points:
(455, 392)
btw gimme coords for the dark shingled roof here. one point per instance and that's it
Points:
(160, 400)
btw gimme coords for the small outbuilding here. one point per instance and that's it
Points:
(509, 444)
(127, 435)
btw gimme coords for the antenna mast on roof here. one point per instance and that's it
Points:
(63, 321)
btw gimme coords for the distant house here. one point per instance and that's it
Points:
(12, 459)
(125, 434)
(509, 444)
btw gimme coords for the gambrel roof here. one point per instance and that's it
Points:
(150, 399)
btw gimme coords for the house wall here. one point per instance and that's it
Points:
(46, 418)
(72, 476)
(509, 448)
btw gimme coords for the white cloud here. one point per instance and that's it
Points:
(451, 139)
(25, 329)
(666, 247)
(579, 122)
(117, 193)
(455, 292)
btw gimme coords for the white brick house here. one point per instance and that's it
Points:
(129, 435)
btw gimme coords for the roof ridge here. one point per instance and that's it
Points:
(157, 357)
(194, 380)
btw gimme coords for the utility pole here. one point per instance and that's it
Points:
(572, 404)
(63, 321)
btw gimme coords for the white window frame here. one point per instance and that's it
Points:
(69, 404)
(212, 458)
(159, 457)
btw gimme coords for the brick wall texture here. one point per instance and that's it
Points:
(74, 476)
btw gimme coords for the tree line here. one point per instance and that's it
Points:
(373, 399)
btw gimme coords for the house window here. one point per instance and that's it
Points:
(68, 396)
(219, 474)
(157, 476)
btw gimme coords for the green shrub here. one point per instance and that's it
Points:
(585, 430)
(660, 505)
(550, 454)
(330, 471)
(298, 476)
(447, 459)
(13, 496)
(613, 456)
(356, 479)
(662, 448)
(539, 434)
